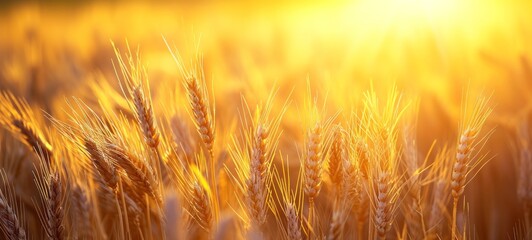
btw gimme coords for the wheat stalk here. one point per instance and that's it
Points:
(463, 160)
(204, 122)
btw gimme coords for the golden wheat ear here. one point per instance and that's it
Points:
(106, 170)
(337, 156)
(137, 170)
(380, 124)
(253, 154)
(135, 84)
(17, 117)
(317, 142)
(201, 206)
(313, 163)
(202, 112)
(199, 198)
(145, 117)
(473, 120)
(194, 83)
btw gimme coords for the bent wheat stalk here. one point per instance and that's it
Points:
(102, 166)
(17, 116)
(136, 170)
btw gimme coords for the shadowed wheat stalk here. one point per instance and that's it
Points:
(52, 214)
(9, 221)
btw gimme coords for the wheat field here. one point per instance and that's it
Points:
(384, 119)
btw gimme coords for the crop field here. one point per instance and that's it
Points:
(361, 119)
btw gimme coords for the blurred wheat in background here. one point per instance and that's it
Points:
(361, 119)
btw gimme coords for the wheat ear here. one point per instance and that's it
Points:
(256, 184)
(460, 168)
(9, 221)
(362, 207)
(414, 210)
(336, 227)
(202, 116)
(382, 217)
(336, 159)
(463, 154)
(83, 213)
(53, 216)
(136, 170)
(145, 117)
(463, 160)
(17, 116)
(201, 207)
(39, 145)
(313, 164)
(102, 166)
(292, 223)
(358, 175)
